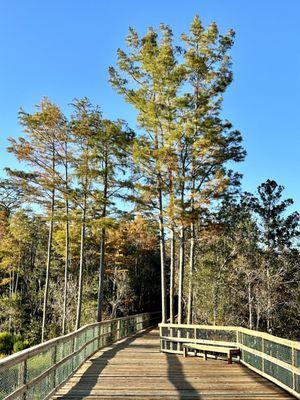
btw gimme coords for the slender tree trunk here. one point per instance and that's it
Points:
(269, 329)
(17, 282)
(67, 242)
(172, 273)
(181, 274)
(12, 281)
(10, 294)
(181, 256)
(102, 249)
(250, 306)
(192, 262)
(67, 256)
(18, 271)
(81, 264)
(101, 275)
(49, 256)
(257, 317)
(113, 311)
(114, 296)
(162, 256)
(215, 303)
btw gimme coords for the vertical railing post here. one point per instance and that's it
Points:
(73, 350)
(85, 340)
(119, 329)
(99, 336)
(160, 337)
(293, 364)
(54, 360)
(95, 337)
(241, 341)
(179, 336)
(238, 341)
(23, 376)
(110, 332)
(104, 331)
(263, 351)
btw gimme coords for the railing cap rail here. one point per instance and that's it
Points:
(272, 338)
(189, 326)
(267, 336)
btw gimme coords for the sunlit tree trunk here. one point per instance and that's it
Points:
(101, 275)
(162, 256)
(67, 245)
(181, 256)
(102, 247)
(258, 313)
(192, 262)
(181, 274)
(49, 256)
(172, 273)
(81, 264)
(269, 328)
(250, 306)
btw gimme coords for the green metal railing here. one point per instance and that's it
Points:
(36, 373)
(275, 358)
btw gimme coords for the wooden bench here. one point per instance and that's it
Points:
(205, 348)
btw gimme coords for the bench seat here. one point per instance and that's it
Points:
(205, 348)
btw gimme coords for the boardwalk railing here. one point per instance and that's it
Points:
(37, 372)
(274, 358)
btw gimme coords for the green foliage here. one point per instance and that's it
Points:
(20, 344)
(239, 277)
(6, 343)
(278, 229)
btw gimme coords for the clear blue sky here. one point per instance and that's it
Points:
(62, 49)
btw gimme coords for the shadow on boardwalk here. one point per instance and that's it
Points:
(170, 363)
(91, 375)
(178, 379)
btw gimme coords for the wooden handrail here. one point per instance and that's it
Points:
(20, 384)
(22, 355)
(290, 365)
(264, 335)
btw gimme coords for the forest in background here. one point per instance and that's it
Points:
(103, 221)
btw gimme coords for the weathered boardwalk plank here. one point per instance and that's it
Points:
(135, 369)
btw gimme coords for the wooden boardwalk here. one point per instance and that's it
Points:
(135, 369)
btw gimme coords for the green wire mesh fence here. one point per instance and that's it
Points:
(37, 372)
(276, 359)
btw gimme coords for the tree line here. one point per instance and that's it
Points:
(99, 210)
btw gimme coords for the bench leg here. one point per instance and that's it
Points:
(195, 353)
(229, 358)
(205, 355)
(184, 352)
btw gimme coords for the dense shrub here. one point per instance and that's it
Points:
(20, 345)
(6, 343)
